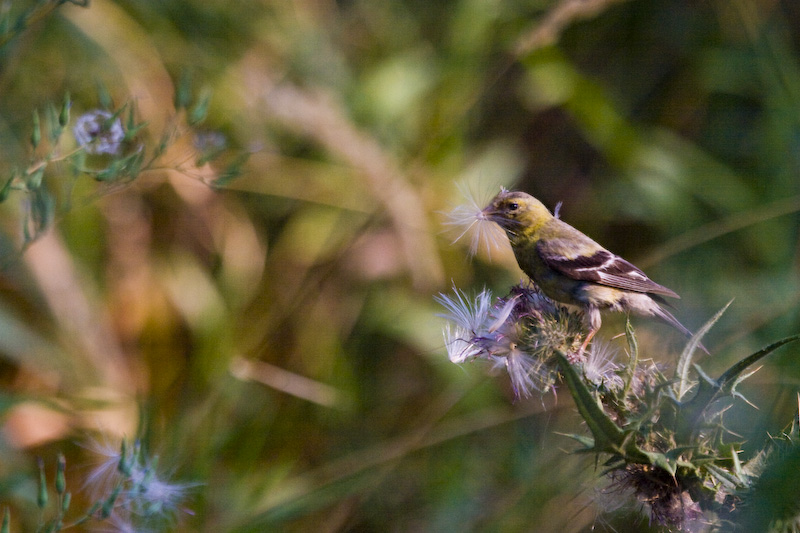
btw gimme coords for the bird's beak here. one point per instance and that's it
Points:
(488, 213)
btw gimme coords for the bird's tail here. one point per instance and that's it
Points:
(668, 317)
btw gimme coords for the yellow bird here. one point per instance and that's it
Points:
(571, 268)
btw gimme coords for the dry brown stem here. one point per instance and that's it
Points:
(548, 31)
(316, 115)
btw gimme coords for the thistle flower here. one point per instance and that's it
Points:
(105, 469)
(98, 133)
(143, 496)
(600, 368)
(465, 313)
(668, 451)
(669, 503)
(459, 347)
(151, 495)
(518, 333)
(526, 373)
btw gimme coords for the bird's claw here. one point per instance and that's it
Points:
(576, 357)
(579, 357)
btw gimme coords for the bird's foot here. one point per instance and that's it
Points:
(576, 357)
(579, 357)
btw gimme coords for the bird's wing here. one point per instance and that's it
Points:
(597, 265)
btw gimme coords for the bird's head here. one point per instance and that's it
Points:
(516, 212)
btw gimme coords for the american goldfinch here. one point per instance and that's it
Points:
(571, 268)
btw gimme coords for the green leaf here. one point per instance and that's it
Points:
(41, 497)
(61, 480)
(111, 172)
(607, 435)
(233, 171)
(166, 138)
(131, 123)
(199, 111)
(63, 116)
(132, 132)
(633, 349)
(685, 359)
(116, 114)
(738, 471)
(586, 442)
(108, 505)
(6, 190)
(90, 514)
(709, 390)
(36, 132)
(34, 180)
(40, 214)
(724, 476)
(132, 129)
(132, 164)
(730, 377)
(54, 128)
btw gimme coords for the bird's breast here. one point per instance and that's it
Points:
(553, 284)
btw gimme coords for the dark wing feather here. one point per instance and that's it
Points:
(603, 268)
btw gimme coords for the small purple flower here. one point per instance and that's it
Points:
(98, 134)
(210, 141)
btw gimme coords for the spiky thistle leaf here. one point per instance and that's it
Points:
(685, 359)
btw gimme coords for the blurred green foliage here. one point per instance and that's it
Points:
(274, 339)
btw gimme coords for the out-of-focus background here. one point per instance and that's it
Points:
(275, 341)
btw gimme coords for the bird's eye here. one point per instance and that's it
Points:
(513, 206)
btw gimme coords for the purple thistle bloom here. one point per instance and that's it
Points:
(508, 333)
(98, 134)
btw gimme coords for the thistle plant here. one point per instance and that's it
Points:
(522, 332)
(127, 489)
(113, 147)
(661, 438)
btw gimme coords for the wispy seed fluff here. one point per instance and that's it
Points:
(519, 332)
(144, 499)
(600, 368)
(469, 220)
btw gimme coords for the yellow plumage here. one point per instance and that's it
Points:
(571, 268)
